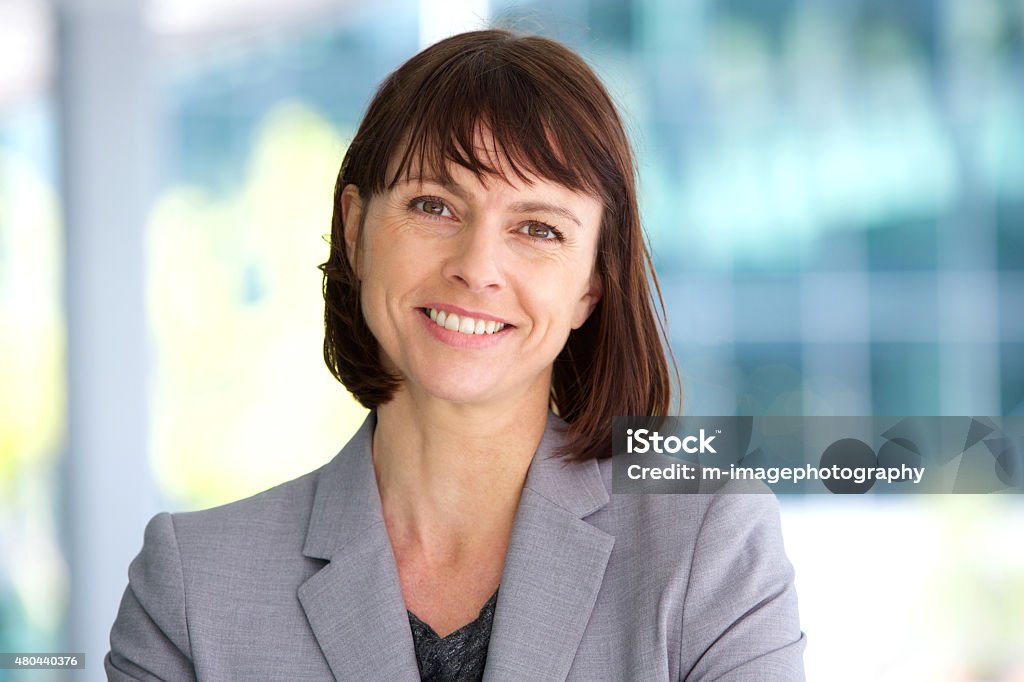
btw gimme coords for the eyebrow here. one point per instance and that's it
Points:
(518, 207)
(543, 207)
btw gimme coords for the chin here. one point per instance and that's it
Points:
(464, 384)
(464, 392)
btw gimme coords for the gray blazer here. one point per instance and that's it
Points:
(300, 583)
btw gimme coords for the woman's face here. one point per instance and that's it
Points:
(472, 288)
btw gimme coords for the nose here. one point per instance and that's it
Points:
(474, 259)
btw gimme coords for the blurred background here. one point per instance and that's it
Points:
(834, 191)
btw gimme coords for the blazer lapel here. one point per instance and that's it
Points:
(553, 570)
(354, 604)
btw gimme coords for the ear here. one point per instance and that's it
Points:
(351, 217)
(588, 301)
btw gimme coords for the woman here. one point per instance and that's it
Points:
(487, 298)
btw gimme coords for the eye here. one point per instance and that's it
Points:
(541, 231)
(431, 206)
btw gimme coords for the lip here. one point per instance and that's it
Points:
(459, 340)
(448, 308)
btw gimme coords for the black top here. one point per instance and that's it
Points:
(458, 657)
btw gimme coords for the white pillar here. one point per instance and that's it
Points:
(107, 132)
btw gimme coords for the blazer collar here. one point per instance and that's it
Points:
(575, 487)
(347, 501)
(354, 604)
(553, 570)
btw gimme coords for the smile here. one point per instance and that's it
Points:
(463, 324)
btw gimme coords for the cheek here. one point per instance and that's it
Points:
(393, 268)
(559, 308)
(387, 260)
(369, 301)
(375, 273)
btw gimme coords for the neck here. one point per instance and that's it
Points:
(451, 474)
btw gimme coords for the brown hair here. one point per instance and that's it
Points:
(549, 116)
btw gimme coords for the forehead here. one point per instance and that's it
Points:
(490, 153)
(487, 169)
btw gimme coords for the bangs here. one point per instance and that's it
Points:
(495, 117)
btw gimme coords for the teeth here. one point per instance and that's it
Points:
(464, 325)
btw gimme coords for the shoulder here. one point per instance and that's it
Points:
(718, 562)
(218, 546)
(274, 519)
(256, 542)
(735, 504)
(734, 533)
(198, 572)
(722, 545)
(276, 522)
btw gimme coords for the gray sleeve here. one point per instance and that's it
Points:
(740, 620)
(149, 639)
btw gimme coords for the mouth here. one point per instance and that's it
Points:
(463, 324)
